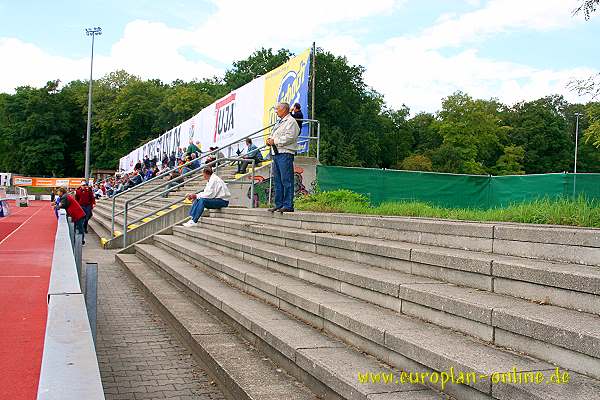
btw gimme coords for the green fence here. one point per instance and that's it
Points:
(449, 190)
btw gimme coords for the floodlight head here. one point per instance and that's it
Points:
(93, 31)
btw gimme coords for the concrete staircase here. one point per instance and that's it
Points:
(330, 296)
(159, 219)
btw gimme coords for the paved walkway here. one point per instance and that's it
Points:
(138, 353)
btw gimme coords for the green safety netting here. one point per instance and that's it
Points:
(450, 190)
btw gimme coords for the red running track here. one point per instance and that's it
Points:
(26, 248)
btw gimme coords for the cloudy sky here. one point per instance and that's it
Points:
(415, 51)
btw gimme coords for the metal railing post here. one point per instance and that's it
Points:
(125, 224)
(252, 184)
(77, 251)
(71, 232)
(318, 139)
(271, 179)
(112, 220)
(91, 298)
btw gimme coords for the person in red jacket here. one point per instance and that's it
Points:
(86, 199)
(74, 211)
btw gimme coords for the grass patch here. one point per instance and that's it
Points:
(570, 212)
(38, 190)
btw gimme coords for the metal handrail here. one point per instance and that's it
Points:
(126, 208)
(165, 173)
(304, 122)
(183, 184)
(252, 182)
(216, 162)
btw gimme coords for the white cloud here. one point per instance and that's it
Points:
(498, 16)
(411, 69)
(420, 78)
(153, 50)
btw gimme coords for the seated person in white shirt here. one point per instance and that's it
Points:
(214, 196)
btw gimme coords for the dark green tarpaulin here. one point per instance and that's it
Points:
(449, 190)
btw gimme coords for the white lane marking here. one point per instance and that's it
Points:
(19, 227)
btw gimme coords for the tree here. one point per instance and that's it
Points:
(417, 162)
(424, 131)
(588, 86)
(541, 129)
(40, 131)
(511, 162)
(472, 131)
(592, 133)
(587, 8)
(259, 63)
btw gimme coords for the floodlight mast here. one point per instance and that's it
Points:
(90, 32)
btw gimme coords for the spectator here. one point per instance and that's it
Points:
(195, 164)
(98, 192)
(165, 160)
(214, 196)
(297, 114)
(283, 141)
(135, 180)
(172, 160)
(174, 179)
(192, 148)
(86, 199)
(138, 166)
(74, 210)
(216, 154)
(252, 153)
(147, 162)
(149, 174)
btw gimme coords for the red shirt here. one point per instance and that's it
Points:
(85, 197)
(74, 210)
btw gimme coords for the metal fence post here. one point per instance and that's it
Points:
(77, 252)
(125, 224)
(252, 185)
(112, 220)
(91, 290)
(271, 179)
(71, 232)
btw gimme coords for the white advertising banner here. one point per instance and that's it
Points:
(242, 112)
(4, 179)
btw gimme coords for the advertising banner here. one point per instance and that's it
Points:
(4, 179)
(46, 182)
(240, 113)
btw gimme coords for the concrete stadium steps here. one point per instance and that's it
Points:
(160, 219)
(405, 342)
(553, 243)
(242, 371)
(420, 295)
(323, 363)
(575, 286)
(570, 337)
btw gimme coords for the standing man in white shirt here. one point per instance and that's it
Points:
(214, 196)
(284, 143)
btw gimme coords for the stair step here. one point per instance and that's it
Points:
(567, 285)
(241, 370)
(424, 343)
(327, 360)
(498, 318)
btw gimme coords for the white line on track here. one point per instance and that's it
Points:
(19, 227)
